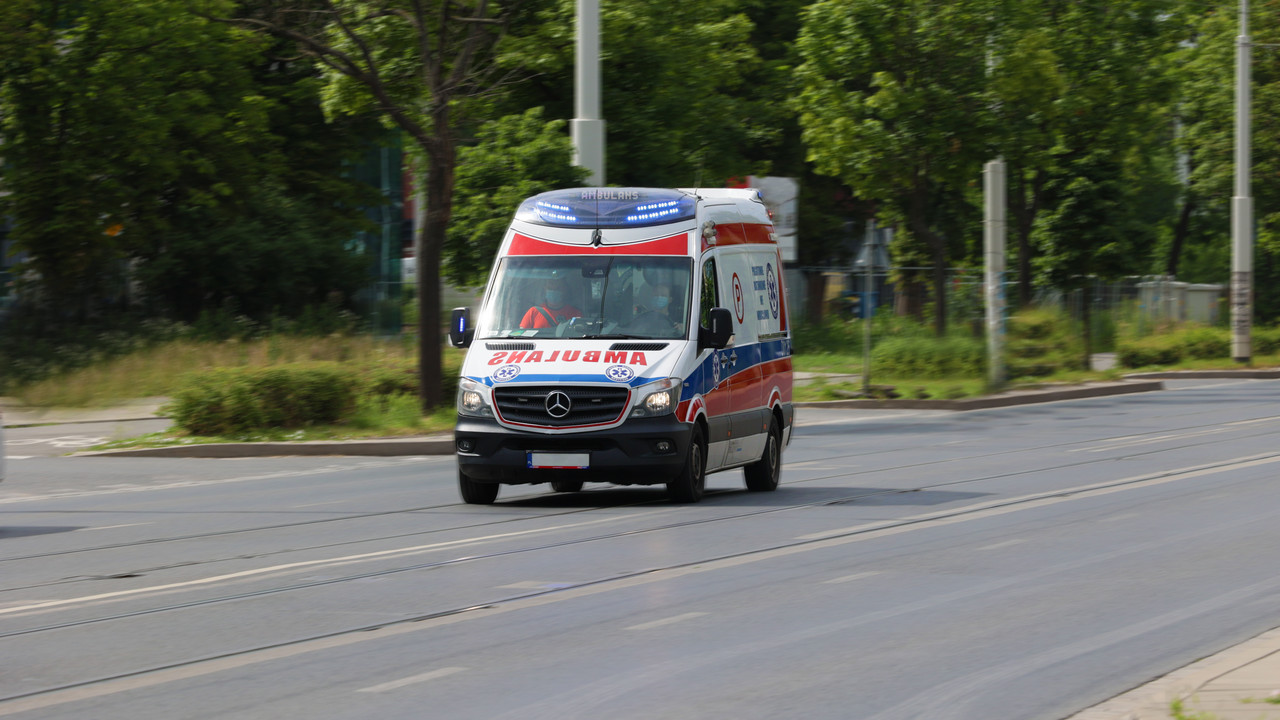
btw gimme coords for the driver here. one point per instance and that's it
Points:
(555, 308)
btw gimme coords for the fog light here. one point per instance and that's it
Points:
(665, 446)
(466, 445)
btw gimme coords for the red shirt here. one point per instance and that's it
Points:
(538, 314)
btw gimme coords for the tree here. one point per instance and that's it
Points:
(147, 147)
(1091, 231)
(514, 157)
(893, 103)
(1070, 77)
(420, 64)
(673, 93)
(1206, 67)
(108, 106)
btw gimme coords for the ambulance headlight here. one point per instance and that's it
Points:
(659, 398)
(471, 399)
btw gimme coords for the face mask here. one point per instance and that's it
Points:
(660, 302)
(555, 298)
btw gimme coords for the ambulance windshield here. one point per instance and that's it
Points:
(588, 297)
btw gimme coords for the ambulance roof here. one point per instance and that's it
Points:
(608, 207)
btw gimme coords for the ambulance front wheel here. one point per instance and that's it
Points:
(688, 485)
(762, 475)
(476, 493)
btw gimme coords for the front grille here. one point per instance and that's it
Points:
(527, 405)
(509, 346)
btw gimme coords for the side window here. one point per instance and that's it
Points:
(710, 292)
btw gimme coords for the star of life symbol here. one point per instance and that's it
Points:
(619, 373)
(772, 281)
(715, 367)
(505, 373)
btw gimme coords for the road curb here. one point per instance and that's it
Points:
(1020, 397)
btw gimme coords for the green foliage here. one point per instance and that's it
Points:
(1193, 342)
(514, 157)
(929, 357)
(672, 86)
(231, 401)
(1041, 342)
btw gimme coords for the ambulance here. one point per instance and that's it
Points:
(632, 336)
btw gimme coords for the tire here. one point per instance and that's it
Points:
(687, 487)
(566, 485)
(762, 475)
(476, 493)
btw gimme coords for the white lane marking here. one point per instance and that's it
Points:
(667, 621)
(1118, 518)
(309, 505)
(1126, 441)
(1047, 498)
(211, 667)
(304, 565)
(850, 578)
(118, 489)
(413, 680)
(1002, 544)
(112, 527)
(18, 457)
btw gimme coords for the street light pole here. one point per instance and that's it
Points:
(1242, 204)
(587, 128)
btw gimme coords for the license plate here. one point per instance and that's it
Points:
(559, 461)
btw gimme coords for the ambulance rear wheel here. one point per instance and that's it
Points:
(687, 487)
(476, 493)
(762, 475)
(566, 485)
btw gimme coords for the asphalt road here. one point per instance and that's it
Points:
(1019, 563)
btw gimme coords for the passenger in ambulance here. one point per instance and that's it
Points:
(657, 318)
(553, 309)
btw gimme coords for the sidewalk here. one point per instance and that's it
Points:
(1232, 685)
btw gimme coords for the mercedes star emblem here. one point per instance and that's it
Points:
(557, 404)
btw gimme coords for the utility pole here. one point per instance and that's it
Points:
(587, 128)
(993, 243)
(1242, 205)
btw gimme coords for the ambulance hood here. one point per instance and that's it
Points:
(571, 361)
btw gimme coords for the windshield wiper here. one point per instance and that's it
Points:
(616, 336)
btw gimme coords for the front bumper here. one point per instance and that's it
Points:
(626, 455)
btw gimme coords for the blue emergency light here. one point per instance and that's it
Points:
(608, 207)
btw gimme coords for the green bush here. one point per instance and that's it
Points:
(927, 357)
(1040, 342)
(1204, 342)
(1147, 351)
(1266, 341)
(1193, 342)
(231, 401)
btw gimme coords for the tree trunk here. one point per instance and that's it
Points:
(1086, 303)
(441, 162)
(1180, 232)
(815, 294)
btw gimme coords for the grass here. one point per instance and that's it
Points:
(158, 371)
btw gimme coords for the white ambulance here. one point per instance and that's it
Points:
(633, 336)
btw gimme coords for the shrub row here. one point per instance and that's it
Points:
(926, 357)
(233, 401)
(237, 401)
(1191, 343)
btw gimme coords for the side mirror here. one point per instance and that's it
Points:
(460, 331)
(718, 331)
